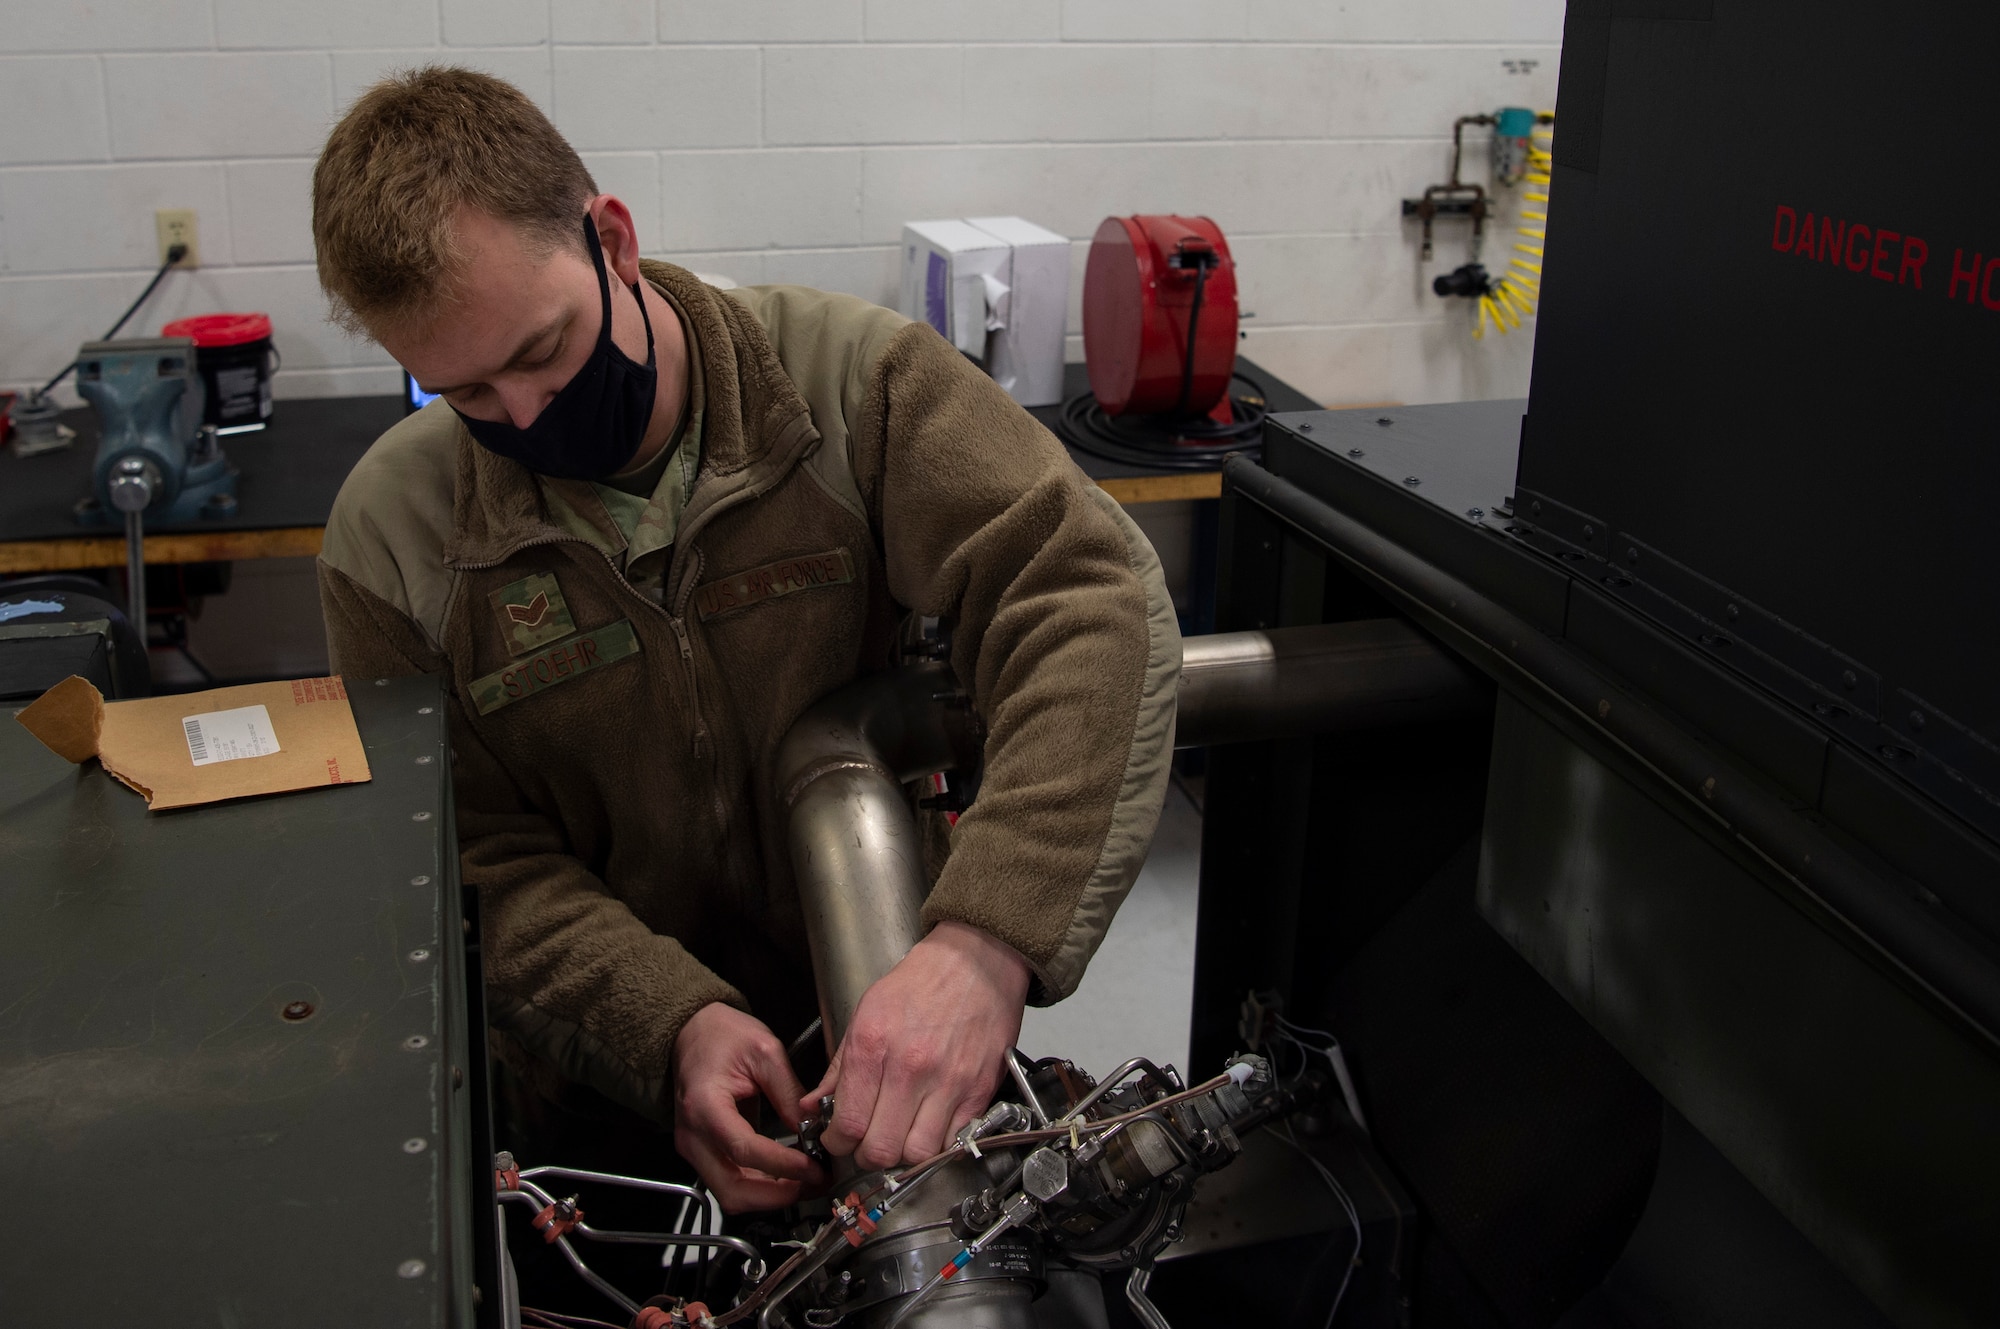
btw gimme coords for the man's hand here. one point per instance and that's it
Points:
(722, 1059)
(923, 1055)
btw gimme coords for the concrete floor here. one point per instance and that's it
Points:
(1135, 998)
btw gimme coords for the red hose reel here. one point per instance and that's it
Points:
(1159, 317)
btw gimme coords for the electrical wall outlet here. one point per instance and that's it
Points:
(176, 227)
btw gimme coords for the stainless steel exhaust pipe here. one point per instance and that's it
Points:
(855, 851)
(1237, 687)
(842, 766)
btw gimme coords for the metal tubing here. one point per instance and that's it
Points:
(855, 851)
(841, 767)
(1142, 1305)
(1238, 687)
(135, 573)
(1937, 963)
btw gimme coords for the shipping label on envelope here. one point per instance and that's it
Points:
(203, 747)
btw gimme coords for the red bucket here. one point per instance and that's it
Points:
(234, 355)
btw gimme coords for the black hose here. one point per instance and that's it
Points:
(175, 253)
(1194, 321)
(1166, 442)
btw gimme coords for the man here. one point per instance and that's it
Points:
(647, 525)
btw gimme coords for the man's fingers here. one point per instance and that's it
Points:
(737, 1191)
(905, 1078)
(927, 1132)
(809, 1105)
(772, 1070)
(858, 1091)
(752, 1150)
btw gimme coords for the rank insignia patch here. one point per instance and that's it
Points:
(532, 613)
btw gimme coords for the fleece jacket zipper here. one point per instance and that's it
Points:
(703, 748)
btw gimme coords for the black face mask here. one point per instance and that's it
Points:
(593, 426)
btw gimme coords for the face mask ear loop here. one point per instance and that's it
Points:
(604, 289)
(603, 283)
(640, 296)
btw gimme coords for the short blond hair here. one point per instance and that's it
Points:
(408, 155)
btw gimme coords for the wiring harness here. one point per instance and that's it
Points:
(1096, 1174)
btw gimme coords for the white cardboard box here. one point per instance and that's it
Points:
(1027, 359)
(997, 288)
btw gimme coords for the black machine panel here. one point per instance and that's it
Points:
(1764, 371)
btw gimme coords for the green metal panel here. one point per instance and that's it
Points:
(178, 1150)
(1871, 1122)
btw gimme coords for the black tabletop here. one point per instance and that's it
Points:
(1278, 395)
(290, 471)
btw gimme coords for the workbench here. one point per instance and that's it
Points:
(292, 470)
(290, 474)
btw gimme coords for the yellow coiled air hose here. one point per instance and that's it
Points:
(1513, 295)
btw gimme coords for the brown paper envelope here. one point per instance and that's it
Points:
(151, 745)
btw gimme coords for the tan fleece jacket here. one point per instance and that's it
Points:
(612, 754)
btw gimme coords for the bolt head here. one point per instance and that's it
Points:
(1412, 481)
(1356, 452)
(419, 955)
(411, 1269)
(416, 1043)
(416, 1144)
(297, 1010)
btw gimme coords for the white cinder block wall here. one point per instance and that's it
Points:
(786, 141)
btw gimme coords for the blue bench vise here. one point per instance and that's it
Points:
(154, 457)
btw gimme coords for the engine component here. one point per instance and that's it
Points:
(1102, 1185)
